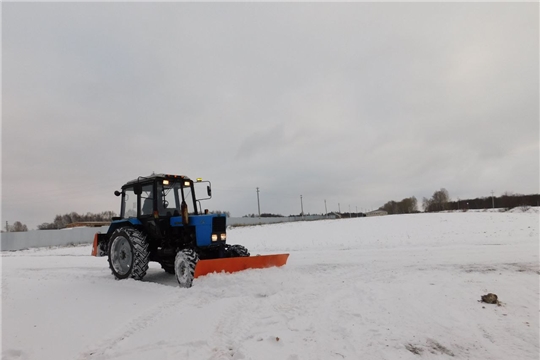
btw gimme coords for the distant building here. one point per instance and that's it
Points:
(377, 213)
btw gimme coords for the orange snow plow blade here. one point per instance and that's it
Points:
(95, 245)
(230, 265)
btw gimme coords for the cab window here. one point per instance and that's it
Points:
(147, 200)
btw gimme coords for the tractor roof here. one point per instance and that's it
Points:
(153, 177)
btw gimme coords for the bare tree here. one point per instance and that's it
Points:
(405, 206)
(408, 205)
(18, 227)
(391, 207)
(426, 204)
(438, 202)
(441, 196)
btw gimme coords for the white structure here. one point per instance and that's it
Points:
(42, 238)
(85, 235)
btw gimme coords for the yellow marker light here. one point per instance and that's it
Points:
(199, 179)
(165, 182)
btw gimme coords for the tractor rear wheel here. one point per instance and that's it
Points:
(237, 251)
(184, 267)
(128, 253)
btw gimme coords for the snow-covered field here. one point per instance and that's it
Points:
(394, 287)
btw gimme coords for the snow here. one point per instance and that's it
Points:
(391, 287)
(519, 209)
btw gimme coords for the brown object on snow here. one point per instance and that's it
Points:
(490, 299)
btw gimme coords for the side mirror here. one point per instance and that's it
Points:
(137, 189)
(209, 190)
(117, 193)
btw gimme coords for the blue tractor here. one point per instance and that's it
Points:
(161, 219)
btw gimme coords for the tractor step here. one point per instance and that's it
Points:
(230, 265)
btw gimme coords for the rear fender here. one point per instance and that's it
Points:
(121, 223)
(101, 241)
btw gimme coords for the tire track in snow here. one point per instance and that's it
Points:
(105, 349)
(233, 328)
(303, 319)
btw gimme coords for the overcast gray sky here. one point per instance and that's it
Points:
(352, 103)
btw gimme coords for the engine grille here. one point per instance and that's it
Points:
(219, 224)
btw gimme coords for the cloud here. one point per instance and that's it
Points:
(348, 102)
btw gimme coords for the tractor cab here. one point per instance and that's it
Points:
(167, 209)
(159, 196)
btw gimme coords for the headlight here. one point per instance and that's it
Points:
(223, 236)
(214, 237)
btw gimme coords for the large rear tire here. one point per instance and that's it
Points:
(237, 251)
(184, 267)
(128, 253)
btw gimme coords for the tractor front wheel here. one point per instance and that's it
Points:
(237, 251)
(128, 253)
(184, 267)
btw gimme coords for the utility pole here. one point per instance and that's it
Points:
(339, 208)
(492, 200)
(349, 211)
(356, 215)
(325, 209)
(7, 227)
(302, 206)
(258, 203)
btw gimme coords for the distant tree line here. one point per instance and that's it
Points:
(263, 215)
(507, 201)
(220, 212)
(16, 227)
(61, 221)
(440, 201)
(405, 206)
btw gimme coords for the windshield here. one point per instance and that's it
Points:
(171, 198)
(169, 201)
